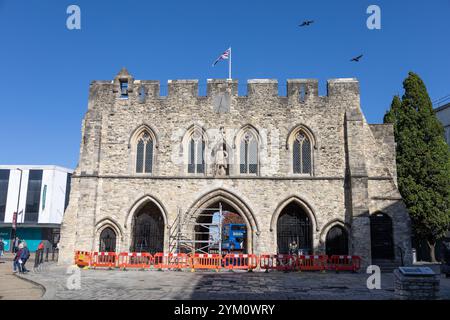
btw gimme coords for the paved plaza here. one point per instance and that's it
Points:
(185, 285)
(14, 288)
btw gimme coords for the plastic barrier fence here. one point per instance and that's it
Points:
(171, 260)
(135, 260)
(104, 260)
(280, 262)
(312, 263)
(206, 261)
(240, 261)
(344, 263)
(82, 258)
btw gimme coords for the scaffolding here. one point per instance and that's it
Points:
(189, 234)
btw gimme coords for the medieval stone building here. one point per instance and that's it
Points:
(300, 167)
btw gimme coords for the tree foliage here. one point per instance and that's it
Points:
(423, 160)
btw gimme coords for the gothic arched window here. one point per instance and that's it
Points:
(196, 153)
(248, 153)
(301, 153)
(144, 153)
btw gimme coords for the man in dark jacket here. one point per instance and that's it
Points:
(24, 256)
(17, 266)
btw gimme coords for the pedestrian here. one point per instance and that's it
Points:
(17, 263)
(16, 243)
(24, 256)
(2, 247)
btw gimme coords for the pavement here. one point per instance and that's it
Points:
(224, 285)
(16, 288)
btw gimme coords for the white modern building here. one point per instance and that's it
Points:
(40, 195)
(443, 114)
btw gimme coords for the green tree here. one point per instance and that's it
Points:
(423, 161)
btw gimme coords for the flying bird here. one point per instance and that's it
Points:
(306, 23)
(356, 59)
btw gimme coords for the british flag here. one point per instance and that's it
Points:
(223, 56)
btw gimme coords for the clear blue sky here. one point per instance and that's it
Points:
(46, 68)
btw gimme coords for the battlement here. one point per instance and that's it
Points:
(303, 90)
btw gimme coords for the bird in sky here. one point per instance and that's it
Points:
(356, 59)
(306, 23)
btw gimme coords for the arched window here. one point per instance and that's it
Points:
(301, 153)
(144, 153)
(196, 152)
(336, 241)
(248, 153)
(107, 240)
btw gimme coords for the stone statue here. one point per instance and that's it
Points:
(221, 161)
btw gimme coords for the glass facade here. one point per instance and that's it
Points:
(4, 181)
(33, 196)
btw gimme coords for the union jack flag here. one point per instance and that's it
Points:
(223, 56)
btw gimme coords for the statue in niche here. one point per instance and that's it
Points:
(221, 158)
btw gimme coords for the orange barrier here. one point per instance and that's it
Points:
(139, 260)
(82, 258)
(280, 262)
(170, 260)
(104, 260)
(344, 263)
(312, 263)
(240, 261)
(206, 261)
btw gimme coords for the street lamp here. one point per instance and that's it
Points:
(15, 216)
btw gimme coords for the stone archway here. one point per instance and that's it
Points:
(147, 226)
(294, 220)
(230, 203)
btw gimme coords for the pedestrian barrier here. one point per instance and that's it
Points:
(344, 263)
(174, 261)
(280, 262)
(312, 263)
(104, 260)
(170, 260)
(82, 258)
(240, 261)
(135, 260)
(206, 261)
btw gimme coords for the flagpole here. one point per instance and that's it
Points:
(229, 67)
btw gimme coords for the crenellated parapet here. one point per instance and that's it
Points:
(125, 87)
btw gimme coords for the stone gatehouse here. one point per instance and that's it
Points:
(300, 167)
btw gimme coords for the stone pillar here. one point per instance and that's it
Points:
(357, 187)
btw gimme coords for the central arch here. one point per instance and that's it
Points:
(294, 221)
(230, 203)
(147, 221)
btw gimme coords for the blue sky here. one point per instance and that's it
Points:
(46, 68)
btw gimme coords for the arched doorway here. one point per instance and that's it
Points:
(234, 237)
(336, 241)
(293, 224)
(107, 241)
(381, 236)
(148, 230)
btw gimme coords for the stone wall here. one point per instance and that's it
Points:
(353, 170)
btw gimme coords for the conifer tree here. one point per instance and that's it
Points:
(423, 161)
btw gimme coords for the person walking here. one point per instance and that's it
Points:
(17, 263)
(2, 247)
(24, 256)
(16, 243)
